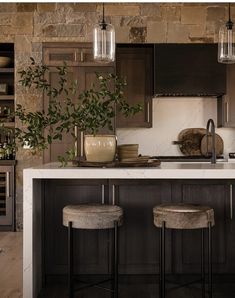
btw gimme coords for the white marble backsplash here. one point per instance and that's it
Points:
(170, 116)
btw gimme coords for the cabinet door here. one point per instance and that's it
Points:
(73, 54)
(135, 64)
(87, 80)
(90, 246)
(57, 56)
(59, 147)
(6, 196)
(187, 248)
(228, 101)
(139, 238)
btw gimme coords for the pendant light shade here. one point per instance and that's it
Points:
(226, 45)
(104, 42)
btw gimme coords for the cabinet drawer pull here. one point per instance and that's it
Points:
(102, 193)
(7, 184)
(231, 201)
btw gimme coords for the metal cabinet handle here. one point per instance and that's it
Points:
(227, 111)
(102, 193)
(76, 141)
(231, 201)
(82, 143)
(82, 56)
(113, 194)
(148, 112)
(7, 184)
(75, 56)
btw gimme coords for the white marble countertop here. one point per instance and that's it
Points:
(167, 170)
(33, 192)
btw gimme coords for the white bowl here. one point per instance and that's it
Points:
(4, 61)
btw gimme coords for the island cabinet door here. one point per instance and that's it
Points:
(187, 243)
(139, 238)
(90, 246)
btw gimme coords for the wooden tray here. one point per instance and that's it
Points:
(118, 164)
(88, 164)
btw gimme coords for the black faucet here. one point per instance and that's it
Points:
(211, 123)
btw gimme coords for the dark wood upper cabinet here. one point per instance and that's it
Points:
(82, 68)
(188, 70)
(135, 64)
(226, 103)
(73, 54)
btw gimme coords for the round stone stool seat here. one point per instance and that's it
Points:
(183, 216)
(92, 216)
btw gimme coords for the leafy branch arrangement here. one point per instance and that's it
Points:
(89, 110)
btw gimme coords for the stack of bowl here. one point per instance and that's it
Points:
(5, 61)
(127, 151)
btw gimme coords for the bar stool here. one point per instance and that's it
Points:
(92, 217)
(184, 216)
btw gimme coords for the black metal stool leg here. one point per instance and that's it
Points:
(209, 260)
(115, 259)
(203, 265)
(70, 260)
(162, 261)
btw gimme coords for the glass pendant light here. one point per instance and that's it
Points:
(226, 45)
(104, 42)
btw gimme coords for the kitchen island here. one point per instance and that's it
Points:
(49, 188)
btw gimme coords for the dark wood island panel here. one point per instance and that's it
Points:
(138, 237)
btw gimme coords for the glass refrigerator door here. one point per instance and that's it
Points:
(5, 199)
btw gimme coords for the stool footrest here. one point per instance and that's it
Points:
(94, 285)
(186, 284)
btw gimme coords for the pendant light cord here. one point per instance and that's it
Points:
(229, 24)
(103, 23)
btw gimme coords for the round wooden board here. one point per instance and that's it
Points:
(190, 140)
(219, 145)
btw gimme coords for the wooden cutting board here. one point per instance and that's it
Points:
(192, 141)
(219, 145)
(189, 141)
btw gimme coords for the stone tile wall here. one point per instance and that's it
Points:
(28, 25)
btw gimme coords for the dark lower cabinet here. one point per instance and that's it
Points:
(139, 238)
(186, 251)
(91, 247)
